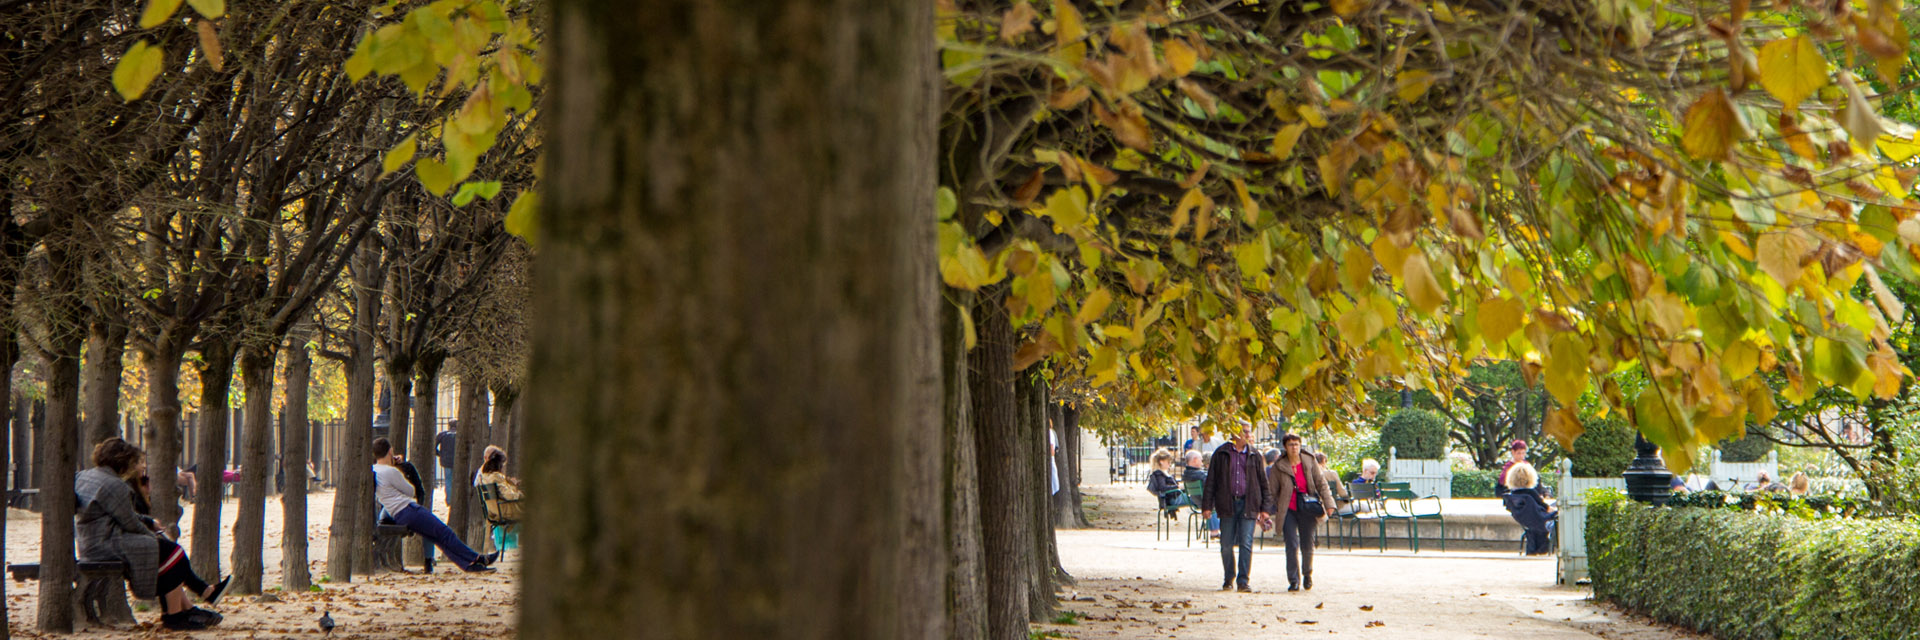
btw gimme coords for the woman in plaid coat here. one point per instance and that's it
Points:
(106, 528)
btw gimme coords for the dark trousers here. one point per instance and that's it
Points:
(1236, 530)
(429, 526)
(1297, 528)
(179, 573)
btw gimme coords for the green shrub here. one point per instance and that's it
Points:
(1474, 483)
(1752, 448)
(1741, 576)
(1418, 434)
(1604, 450)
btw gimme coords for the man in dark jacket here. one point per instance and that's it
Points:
(1237, 487)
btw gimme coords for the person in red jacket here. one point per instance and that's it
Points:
(1237, 488)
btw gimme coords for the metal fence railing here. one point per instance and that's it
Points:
(1129, 464)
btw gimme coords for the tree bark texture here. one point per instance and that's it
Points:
(9, 354)
(400, 407)
(426, 413)
(216, 384)
(736, 264)
(1031, 393)
(469, 441)
(100, 381)
(294, 576)
(37, 423)
(500, 433)
(22, 455)
(163, 428)
(256, 468)
(64, 337)
(966, 579)
(353, 475)
(1067, 511)
(1006, 482)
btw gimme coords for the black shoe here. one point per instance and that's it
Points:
(488, 558)
(1293, 587)
(218, 588)
(1226, 586)
(187, 620)
(206, 617)
(1308, 582)
(480, 568)
(1245, 589)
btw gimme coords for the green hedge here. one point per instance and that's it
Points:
(1752, 448)
(1756, 576)
(1603, 450)
(1418, 434)
(1473, 483)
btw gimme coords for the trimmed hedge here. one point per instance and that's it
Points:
(1752, 448)
(1604, 450)
(1474, 483)
(1418, 434)
(1756, 576)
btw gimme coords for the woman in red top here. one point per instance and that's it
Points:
(1297, 487)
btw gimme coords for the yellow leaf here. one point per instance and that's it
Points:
(1346, 8)
(1093, 307)
(1183, 212)
(1736, 244)
(966, 269)
(523, 216)
(1792, 69)
(1567, 368)
(399, 155)
(1760, 403)
(1391, 256)
(1284, 141)
(137, 69)
(1499, 318)
(210, 44)
(1739, 360)
(1890, 304)
(1068, 207)
(1422, 289)
(436, 176)
(1248, 206)
(1410, 85)
(209, 9)
(1180, 57)
(1899, 149)
(1564, 426)
(1779, 255)
(157, 12)
(1712, 127)
(1070, 34)
(1312, 115)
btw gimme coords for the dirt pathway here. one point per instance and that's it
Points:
(1132, 586)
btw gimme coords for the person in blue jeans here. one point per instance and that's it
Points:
(395, 494)
(1237, 488)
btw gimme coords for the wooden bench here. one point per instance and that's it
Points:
(21, 498)
(386, 548)
(99, 594)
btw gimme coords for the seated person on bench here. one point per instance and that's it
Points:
(106, 528)
(1524, 502)
(493, 471)
(395, 494)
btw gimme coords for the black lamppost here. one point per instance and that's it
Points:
(1648, 480)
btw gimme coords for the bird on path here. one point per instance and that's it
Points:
(326, 623)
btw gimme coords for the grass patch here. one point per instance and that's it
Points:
(1067, 618)
(1043, 634)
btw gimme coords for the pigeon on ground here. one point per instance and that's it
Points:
(326, 623)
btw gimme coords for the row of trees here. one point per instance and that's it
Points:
(239, 214)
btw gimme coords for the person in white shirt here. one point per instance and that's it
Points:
(395, 494)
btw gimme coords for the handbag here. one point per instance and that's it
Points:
(1311, 507)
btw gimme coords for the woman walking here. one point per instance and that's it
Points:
(1300, 490)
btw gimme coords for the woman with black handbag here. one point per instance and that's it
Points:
(1300, 490)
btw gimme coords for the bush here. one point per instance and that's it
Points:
(1604, 450)
(1813, 507)
(1417, 433)
(1739, 575)
(1474, 483)
(1752, 448)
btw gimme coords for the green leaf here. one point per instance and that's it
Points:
(137, 69)
(1792, 69)
(434, 175)
(471, 190)
(945, 202)
(523, 216)
(158, 11)
(399, 155)
(209, 9)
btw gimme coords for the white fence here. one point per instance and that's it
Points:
(1573, 520)
(1732, 476)
(1425, 477)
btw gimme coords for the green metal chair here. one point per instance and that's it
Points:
(1364, 498)
(1196, 527)
(1399, 503)
(501, 513)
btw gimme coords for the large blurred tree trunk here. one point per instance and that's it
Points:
(469, 441)
(162, 363)
(737, 262)
(256, 466)
(960, 482)
(63, 336)
(100, 381)
(350, 536)
(1031, 391)
(1006, 482)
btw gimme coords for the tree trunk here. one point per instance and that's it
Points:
(163, 426)
(500, 434)
(9, 354)
(216, 383)
(256, 467)
(966, 594)
(473, 430)
(64, 337)
(738, 262)
(1067, 504)
(294, 577)
(1005, 478)
(400, 408)
(22, 455)
(426, 415)
(100, 382)
(38, 424)
(1032, 395)
(350, 535)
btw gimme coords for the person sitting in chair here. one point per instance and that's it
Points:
(493, 471)
(1524, 502)
(391, 488)
(1162, 485)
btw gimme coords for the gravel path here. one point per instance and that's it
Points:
(1132, 586)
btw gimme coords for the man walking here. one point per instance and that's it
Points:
(395, 494)
(1237, 487)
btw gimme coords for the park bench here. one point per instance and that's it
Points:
(501, 512)
(21, 498)
(99, 594)
(386, 547)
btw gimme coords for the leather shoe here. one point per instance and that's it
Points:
(1307, 582)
